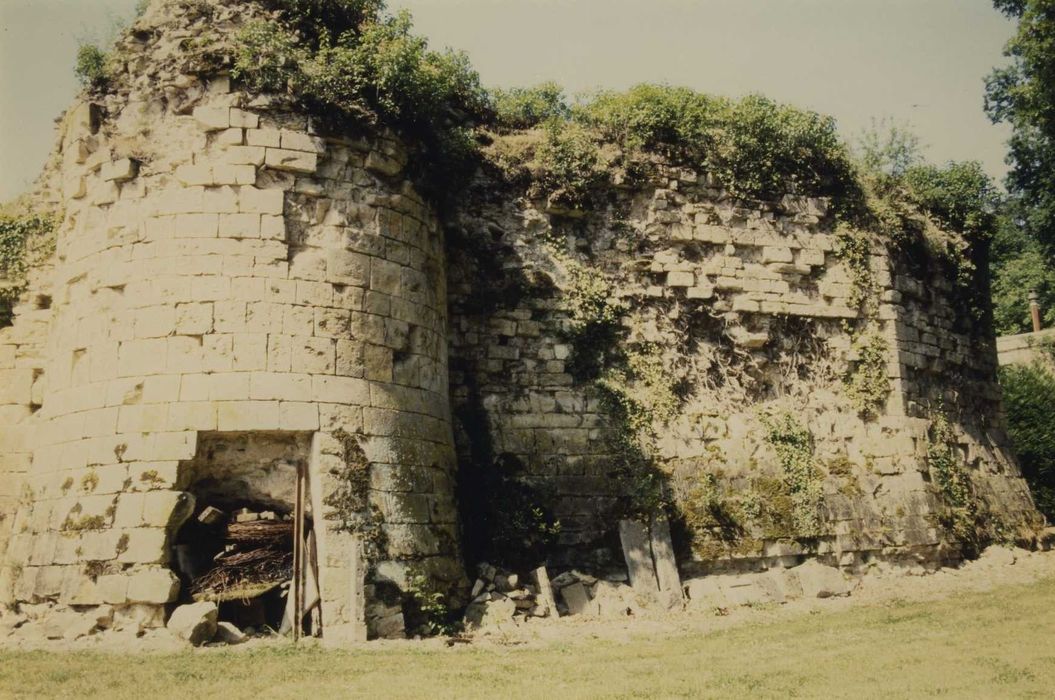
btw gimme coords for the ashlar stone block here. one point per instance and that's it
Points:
(152, 585)
(291, 161)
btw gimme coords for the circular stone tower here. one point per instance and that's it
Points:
(235, 295)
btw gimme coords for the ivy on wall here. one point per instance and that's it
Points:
(24, 240)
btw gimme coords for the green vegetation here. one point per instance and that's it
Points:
(525, 108)
(347, 60)
(801, 479)
(1019, 266)
(23, 241)
(1022, 95)
(639, 394)
(642, 388)
(714, 517)
(914, 207)
(504, 519)
(350, 61)
(430, 605)
(595, 319)
(756, 147)
(1029, 398)
(348, 500)
(963, 516)
(92, 67)
(867, 384)
(855, 248)
(568, 165)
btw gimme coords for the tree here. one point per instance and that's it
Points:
(1022, 94)
(1018, 266)
(1029, 393)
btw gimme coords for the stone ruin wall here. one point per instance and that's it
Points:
(1026, 348)
(226, 273)
(227, 281)
(761, 305)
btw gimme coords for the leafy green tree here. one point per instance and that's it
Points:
(1018, 266)
(1022, 94)
(888, 149)
(1029, 394)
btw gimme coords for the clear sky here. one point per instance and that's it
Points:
(916, 61)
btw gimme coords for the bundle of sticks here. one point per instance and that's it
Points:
(258, 556)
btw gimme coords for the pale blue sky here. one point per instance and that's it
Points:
(921, 61)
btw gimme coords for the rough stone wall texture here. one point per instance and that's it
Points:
(752, 312)
(221, 269)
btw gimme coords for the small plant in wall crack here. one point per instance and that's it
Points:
(438, 619)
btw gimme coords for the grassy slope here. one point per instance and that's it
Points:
(989, 645)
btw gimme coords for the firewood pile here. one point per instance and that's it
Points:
(257, 556)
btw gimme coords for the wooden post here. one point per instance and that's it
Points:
(1034, 310)
(298, 555)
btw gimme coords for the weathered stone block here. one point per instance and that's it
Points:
(121, 170)
(213, 118)
(194, 623)
(152, 585)
(253, 200)
(143, 546)
(291, 161)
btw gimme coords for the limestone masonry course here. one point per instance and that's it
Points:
(235, 289)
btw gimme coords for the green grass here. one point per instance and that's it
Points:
(978, 645)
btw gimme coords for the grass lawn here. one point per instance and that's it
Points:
(982, 645)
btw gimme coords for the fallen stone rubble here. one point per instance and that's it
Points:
(195, 624)
(501, 600)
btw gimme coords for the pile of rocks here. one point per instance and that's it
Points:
(610, 596)
(47, 621)
(196, 624)
(500, 596)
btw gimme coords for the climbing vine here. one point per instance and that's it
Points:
(855, 249)
(963, 516)
(867, 383)
(23, 241)
(801, 477)
(595, 318)
(349, 499)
